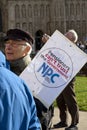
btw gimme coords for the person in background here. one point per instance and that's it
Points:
(17, 106)
(45, 38)
(40, 39)
(67, 99)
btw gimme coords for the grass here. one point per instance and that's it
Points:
(81, 92)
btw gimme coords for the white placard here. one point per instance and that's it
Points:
(53, 67)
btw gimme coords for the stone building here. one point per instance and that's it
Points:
(48, 15)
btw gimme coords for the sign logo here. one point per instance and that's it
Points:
(47, 71)
(54, 68)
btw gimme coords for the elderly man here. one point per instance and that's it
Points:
(18, 47)
(67, 99)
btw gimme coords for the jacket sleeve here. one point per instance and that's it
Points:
(34, 123)
(4, 111)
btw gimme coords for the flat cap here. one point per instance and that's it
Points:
(18, 34)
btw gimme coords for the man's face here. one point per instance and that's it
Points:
(70, 36)
(45, 38)
(15, 49)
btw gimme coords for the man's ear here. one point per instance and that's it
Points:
(27, 49)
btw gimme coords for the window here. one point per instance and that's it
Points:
(78, 9)
(35, 10)
(42, 11)
(84, 27)
(62, 26)
(67, 25)
(47, 10)
(61, 10)
(67, 10)
(72, 9)
(48, 28)
(17, 25)
(30, 27)
(83, 10)
(57, 25)
(23, 11)
(72, 25)
(30, 11)
(17, 12)
(24, 26)
(78, 27)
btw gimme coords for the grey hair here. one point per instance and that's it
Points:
(27, 44)
(74, 35)
(30, 48)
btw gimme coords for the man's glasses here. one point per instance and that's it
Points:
(15, 43)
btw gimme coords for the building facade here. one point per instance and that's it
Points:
(48, 15)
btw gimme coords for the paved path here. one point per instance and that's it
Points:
(82, 123)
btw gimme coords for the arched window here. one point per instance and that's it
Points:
(30, 11)
(24, 26)
(67, 25)
(30, 27)
(42, 11)
(57, 25)
(78, 26)
(35, 10)
(56, 11)
(71, 9)
(23, 11)
(78, 9)
(67, 10)
(47, 10)
(61, 10)
(84, 27)
(48, 28)
(72, 25)
(17, 12)
(83, 10)
(62, 26)
(17, 25)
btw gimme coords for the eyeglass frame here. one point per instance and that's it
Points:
(15, 44)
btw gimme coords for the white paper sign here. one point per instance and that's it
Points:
(53, 67)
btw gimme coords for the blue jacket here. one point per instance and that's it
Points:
(17, 106)
(3, 61)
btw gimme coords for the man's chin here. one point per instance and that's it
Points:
(10, 59)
